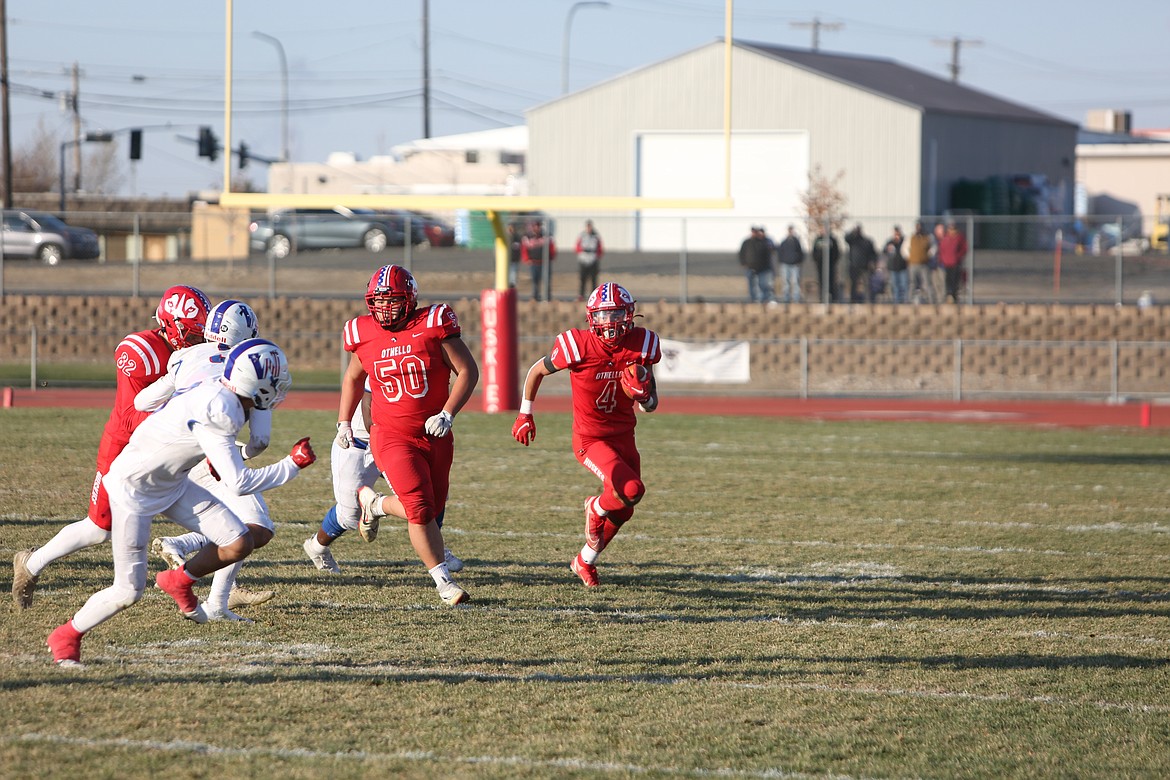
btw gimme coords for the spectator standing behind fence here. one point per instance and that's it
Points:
(862, 260)
(895, 252)
(755, 255)
(532, 251)
(952, 251)
(936, 271)
(513, 254)
(833, 255)
(790, 255)
(589, 252)
(919, 250)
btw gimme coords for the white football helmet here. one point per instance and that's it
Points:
(229, 323)
(257, 369)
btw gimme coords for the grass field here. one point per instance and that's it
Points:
(793, 599)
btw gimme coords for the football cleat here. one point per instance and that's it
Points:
(227, 615)
(164, 548)
(593, 525)
(454, 562)
(586, 571)
(24, 582)
(452, 594)
(368, 524)
(176, 584)
(323, 560)
(243, 597)
(65, 644)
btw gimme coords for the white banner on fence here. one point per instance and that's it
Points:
(712, 362)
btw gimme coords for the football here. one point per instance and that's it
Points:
(634, 381)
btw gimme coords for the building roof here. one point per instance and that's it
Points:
(508, 139)
(902, 83)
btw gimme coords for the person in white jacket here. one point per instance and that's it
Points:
(151, 477)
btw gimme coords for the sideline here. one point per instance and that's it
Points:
(1068, 414)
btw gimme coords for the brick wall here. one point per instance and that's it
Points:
(1018, 348)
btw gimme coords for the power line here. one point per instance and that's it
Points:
(816, 25)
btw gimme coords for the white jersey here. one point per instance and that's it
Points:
(151, 473)
(194, 365)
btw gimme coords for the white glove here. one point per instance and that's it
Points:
(439, 424)
(344, 435)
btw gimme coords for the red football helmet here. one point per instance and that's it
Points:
(391, 295)
(610, 312)
(182, 313)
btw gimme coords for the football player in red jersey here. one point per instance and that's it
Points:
(604, 394)
(140, 358)
(410, 354)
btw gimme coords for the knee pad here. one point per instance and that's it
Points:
(439, 517)
(630, 491)
(330, 526)
(122, 596)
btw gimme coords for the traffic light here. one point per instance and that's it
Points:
(208, 144)
(243, 155)
(135, 144)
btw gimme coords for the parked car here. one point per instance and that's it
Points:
(47, 238)
(399, 218)
(284, 232)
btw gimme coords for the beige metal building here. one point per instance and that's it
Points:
(900, 136)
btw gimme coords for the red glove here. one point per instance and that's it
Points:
(524, 429)
(302, 454)
(637, 388)
(211, 470)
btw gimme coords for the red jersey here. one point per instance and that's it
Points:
(600, 408)
(409, 380)
(140, 358)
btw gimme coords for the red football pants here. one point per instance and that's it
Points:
(417, 468)
(618, 464)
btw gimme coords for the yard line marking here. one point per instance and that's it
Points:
(362, 756)
(382, 670)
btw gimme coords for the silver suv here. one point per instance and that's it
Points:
(45, 237)
(285, 232)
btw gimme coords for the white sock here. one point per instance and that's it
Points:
(221, 586)
(316, 546)
(188, 543)
(440, 575)
(589, 555)
(70, 539)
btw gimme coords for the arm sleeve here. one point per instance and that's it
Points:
(259, 433)
(154, 395)
(220, 447)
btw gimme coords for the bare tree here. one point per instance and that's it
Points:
(103, 173)
(823, 200)
(34, 165)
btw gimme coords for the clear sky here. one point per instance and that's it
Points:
(355, 66)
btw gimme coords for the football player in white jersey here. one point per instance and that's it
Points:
(150, 477)
(228, 323)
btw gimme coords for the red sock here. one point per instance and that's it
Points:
(69, 630)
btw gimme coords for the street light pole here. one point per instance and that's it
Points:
(565, 41)
(283, 91)
(104, 138)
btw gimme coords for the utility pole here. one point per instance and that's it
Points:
(817, 25)
(73, 105)
(5, 124)
(956, 43)
(426, 66)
